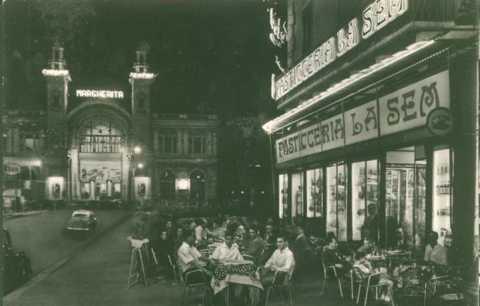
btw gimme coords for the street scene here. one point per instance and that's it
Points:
(240, 152)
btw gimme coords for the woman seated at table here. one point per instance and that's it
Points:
(226, 251)
(188, 256)
(434, 252)
(368, 246)
(365, 268)
(332, 256)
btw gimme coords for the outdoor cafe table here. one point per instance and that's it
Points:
(241, 272)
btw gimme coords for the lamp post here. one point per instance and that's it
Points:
(136, 151)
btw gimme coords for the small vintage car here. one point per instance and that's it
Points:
(82, 220)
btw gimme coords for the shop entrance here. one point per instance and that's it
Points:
(405, 197)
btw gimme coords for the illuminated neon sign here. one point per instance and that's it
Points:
(103, 94)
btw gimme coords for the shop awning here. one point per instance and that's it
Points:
(344, 85)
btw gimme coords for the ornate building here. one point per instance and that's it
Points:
(105, 144)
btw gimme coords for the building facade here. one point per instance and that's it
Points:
(92, 144)
(377, 117)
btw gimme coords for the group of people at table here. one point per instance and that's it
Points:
(203, 245)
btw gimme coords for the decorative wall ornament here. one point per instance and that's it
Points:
(278, 36)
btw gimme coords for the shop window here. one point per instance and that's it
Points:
(405, 198)
(336, 217)
(298, 186)
(282, 195)
(364, 198)
(315, 193)
(441, 220)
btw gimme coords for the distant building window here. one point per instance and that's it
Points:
(197, 144)
(307, 21)
(168, 142)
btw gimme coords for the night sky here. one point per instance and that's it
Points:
(210, 55)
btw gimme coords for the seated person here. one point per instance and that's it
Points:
(255, 244)
(368, 246)
(365, 268)
(282, 260)
(434, 252)
(228, 250)
(332, 256)
(188, 256)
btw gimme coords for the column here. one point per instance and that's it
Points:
(464, 97)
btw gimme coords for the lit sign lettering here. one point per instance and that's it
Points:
(373, 18)
(103, 94)
(401, 110)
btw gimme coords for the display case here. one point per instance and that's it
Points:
(315, 193)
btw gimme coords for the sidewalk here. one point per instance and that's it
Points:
(11, 215)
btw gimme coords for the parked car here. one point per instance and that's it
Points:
(18, 269)
(82, 220)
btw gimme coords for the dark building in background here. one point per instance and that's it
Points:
(377, 104)
(93, 144)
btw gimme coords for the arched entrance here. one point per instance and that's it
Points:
(197, 188)
(99, 167)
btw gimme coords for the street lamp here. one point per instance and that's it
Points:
(140, 166)
(137, 150)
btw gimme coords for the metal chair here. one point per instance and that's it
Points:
(326, 269)
(372, 281)
(174, 268)
(195, 279)
(281, 281)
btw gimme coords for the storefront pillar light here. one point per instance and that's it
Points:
(140, 166)
(137, 150)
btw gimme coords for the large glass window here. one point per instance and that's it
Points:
(314, 193)
(336, 217)
(100, 136)
(364, 196)
(282, 195)
(441, 222)
(298, 187)
(420, 203)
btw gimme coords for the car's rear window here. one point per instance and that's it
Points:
(80, 215)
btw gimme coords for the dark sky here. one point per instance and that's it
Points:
(210, 55)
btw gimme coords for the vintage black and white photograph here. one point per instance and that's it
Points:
(239, 152)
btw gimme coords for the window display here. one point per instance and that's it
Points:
(314, 193)
(282, 195)
(337, 200)
(297, 194)
(364, 195)
(331, 217)
(420, 204)
(441, 193)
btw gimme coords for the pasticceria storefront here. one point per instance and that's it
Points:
(377, 127)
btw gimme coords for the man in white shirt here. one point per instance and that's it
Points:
(188, 255)
(227, 251)
(282, 259)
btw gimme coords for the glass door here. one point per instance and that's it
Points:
(282, 195)
(314, 193)
(401, 195)
(297, 194)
